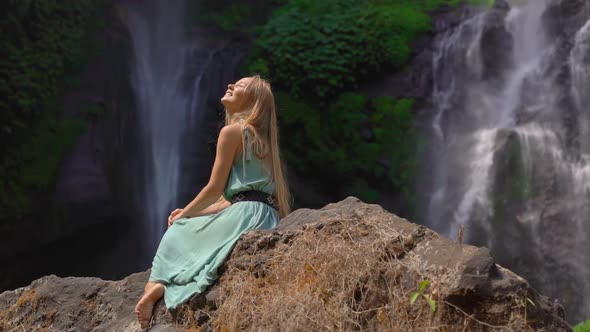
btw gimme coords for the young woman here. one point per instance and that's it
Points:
(247, 190)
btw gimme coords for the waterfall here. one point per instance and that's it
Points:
(159, 61)
(176, 76)
(509, 145)
(580, 72)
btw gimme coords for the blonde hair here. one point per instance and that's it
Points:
(259, 116)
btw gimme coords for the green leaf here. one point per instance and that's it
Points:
(414, 297)
(423, 285)
(431, 302)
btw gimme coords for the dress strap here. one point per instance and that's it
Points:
(247, 148)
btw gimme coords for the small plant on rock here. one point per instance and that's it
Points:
(420, 293)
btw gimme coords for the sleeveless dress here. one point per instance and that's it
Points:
(192, 249)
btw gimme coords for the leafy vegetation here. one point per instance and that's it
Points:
(317, 49)
(488, 3)
(317, 53)
(583, 327)
(232, 16)
(44, 45)
(420, 293)
(353, 142)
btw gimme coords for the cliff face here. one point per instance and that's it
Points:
(349, 265)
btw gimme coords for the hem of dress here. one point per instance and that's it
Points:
(158, 281)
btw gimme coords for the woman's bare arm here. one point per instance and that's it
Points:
(216, 207)
(230, 140)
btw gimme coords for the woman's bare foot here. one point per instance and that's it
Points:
(143, 311)
(145, 307)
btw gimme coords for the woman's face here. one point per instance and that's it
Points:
(234, 96)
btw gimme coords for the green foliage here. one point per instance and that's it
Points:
(513, 185)
(42, 154)
(44, 45)
(394, 129)
(583, 327)
(318, 49)
(361, 189)
(39, 159)
(260, 67)
(420, 292)
(230, 16)
(93, 110)
(488, 3)
(42, 41)
(352, 142)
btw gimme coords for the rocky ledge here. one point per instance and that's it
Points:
(347, 266)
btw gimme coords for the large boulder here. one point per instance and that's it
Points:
(349, 265)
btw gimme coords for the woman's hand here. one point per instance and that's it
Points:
(175, 215)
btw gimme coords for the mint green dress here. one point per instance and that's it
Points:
(192, 249)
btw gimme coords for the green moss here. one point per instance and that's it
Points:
(512, 187)
(43, 152)
(488, 3)
(361, 189)
(93, 110)
(352, 142)
(395, 131)
(583, 327)
(45, 45)
(39, 158)
(230, 16)
(319, 49)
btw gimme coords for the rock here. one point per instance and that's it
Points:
(564, 17)
(496, 42)
(347, 265)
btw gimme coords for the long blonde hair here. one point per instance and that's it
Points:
(259, 116)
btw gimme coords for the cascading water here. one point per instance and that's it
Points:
(580, 72)
(510, 153)
(160, 58)
(171, 78)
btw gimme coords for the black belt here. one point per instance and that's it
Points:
(256, 196)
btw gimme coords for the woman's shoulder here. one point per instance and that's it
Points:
(231, 132)
(232, 129)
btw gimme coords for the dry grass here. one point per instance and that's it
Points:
(185, 320)
(49, 316)
(338, 278)
(4, 325)
(29, 299)
(341, 277)
(20, 312)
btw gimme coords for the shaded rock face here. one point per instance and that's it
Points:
(73, 217)
(346, 266)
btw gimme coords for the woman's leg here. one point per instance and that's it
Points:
(145, 307)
